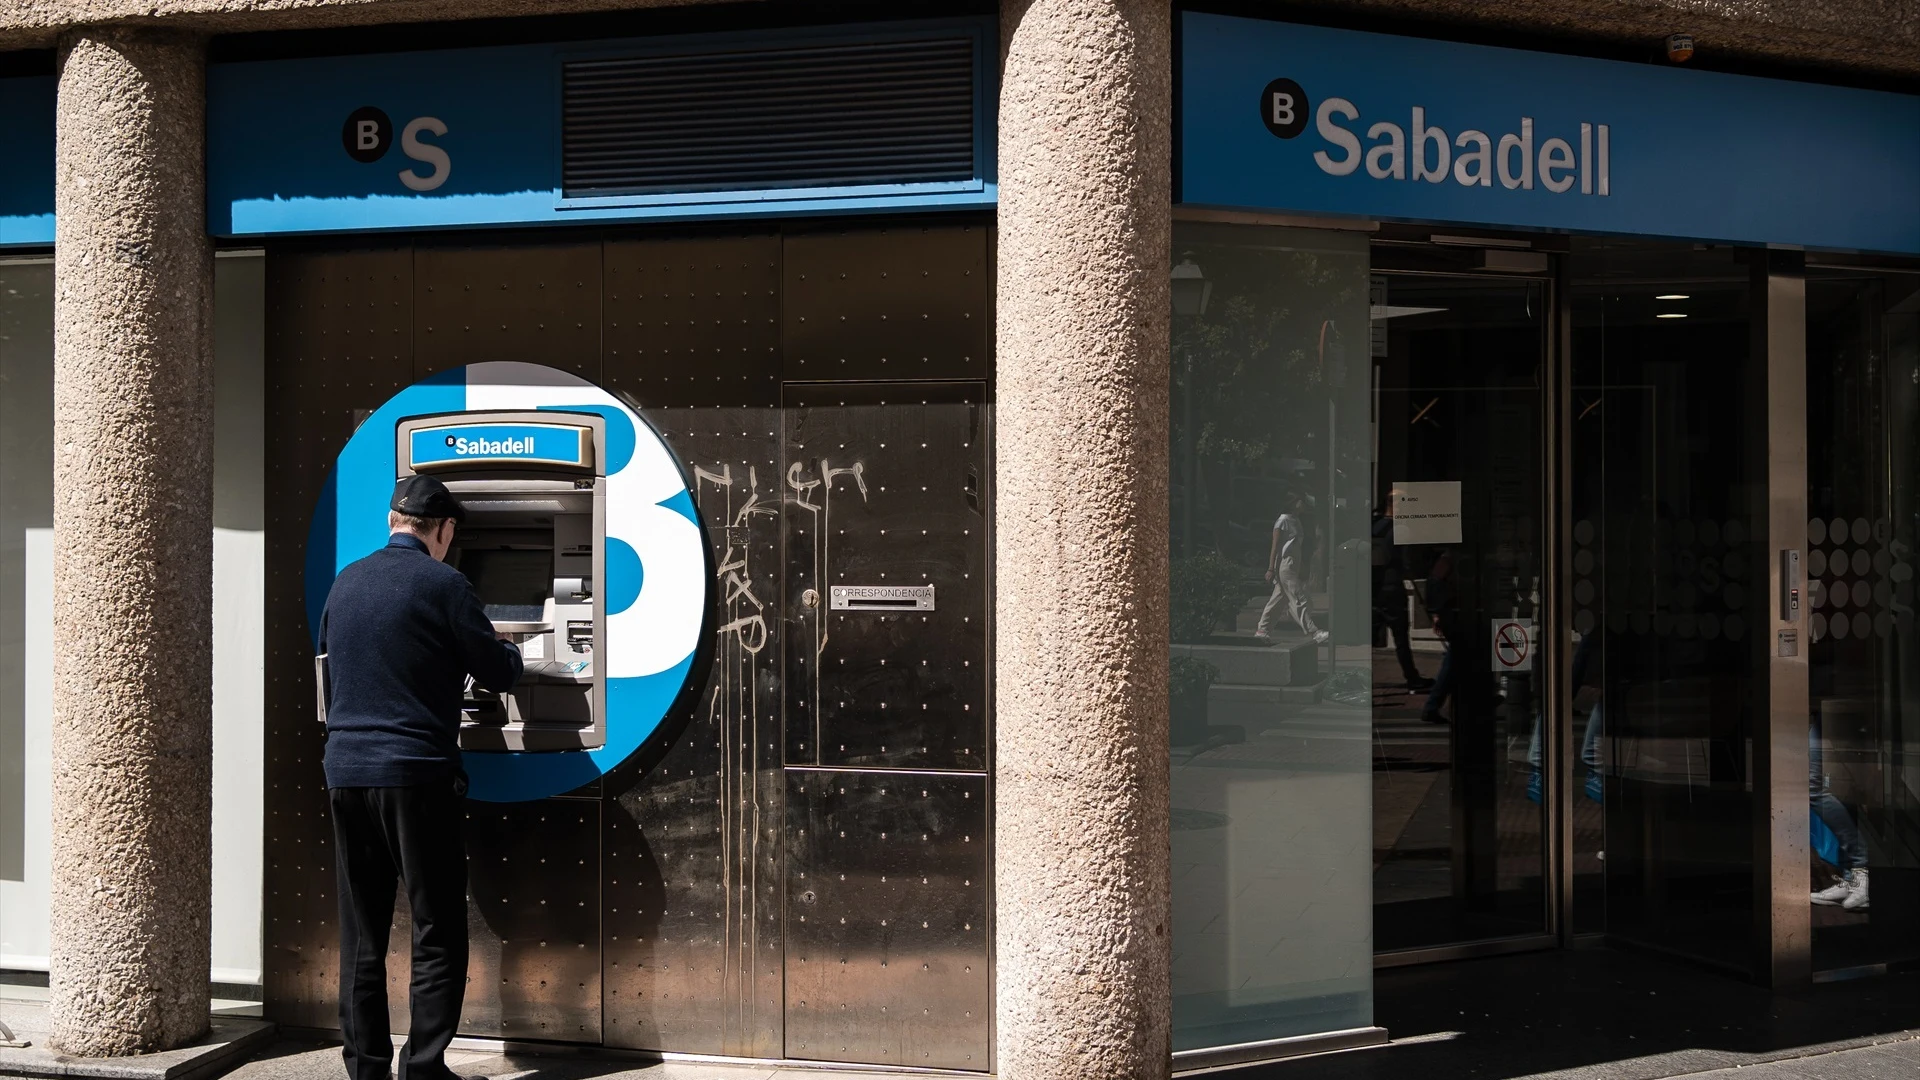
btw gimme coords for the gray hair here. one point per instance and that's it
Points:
(419, 526)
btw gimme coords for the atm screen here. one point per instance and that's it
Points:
(513, 585)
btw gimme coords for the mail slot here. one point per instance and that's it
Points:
(880, 598)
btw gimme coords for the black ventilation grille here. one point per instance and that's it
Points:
(824, 116)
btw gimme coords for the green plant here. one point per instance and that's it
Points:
(1207, 591)
(1189, 675)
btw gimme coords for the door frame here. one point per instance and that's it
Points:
(1552, 630)
(1781, 949)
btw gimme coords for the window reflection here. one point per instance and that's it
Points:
(1270, 577)
(1863, 784)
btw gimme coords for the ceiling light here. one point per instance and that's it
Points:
(1674, 296)
(1671, 315)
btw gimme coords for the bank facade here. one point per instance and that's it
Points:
(1058, 539)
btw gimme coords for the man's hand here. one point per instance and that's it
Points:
(508, 638)
(1269, 575)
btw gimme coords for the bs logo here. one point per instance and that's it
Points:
(368, 135)
(1284, 108)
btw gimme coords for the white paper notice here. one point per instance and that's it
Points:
(1426, 513)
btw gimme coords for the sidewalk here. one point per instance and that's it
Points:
(1601, 1014)
(1895, 1058)
(1584, 1014)
(1885, 1061)
(292, 1059)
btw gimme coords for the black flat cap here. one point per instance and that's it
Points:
(424, 496)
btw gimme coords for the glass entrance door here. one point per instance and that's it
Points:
(1668, 590)
(1459, 815)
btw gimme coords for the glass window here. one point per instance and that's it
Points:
(26, 613)
(1272, 815)
(26, 608)
(1863, 443)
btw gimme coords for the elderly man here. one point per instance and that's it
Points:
(402, 631)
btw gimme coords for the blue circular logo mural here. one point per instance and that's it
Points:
(656, 592)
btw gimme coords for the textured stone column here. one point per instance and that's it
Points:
(133, 546)
(1081, 540)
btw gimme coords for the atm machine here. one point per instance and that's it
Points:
(533, 544)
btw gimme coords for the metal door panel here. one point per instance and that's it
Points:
(693, 847)
(887, 903)
(902, 303)
(534, 304)
(887, 494)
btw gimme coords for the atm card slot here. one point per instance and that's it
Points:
(485, 712)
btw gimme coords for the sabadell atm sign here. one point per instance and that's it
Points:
(1312, 120)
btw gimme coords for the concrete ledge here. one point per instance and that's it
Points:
(230, 1042)
(1287, 662)
(1261, 696)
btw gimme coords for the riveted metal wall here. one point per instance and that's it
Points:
(694, 322)
(533, 924)
(339, 341)
(913, 302)
(537, 305)
(694, 847)
(652, 910)
(887, 918)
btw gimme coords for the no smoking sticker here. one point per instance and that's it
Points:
(1512, 645)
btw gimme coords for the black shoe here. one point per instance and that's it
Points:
(1418, 684)
(1432, 718)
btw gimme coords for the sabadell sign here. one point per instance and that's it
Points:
(1306, 119)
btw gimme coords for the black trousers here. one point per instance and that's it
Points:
(383, 837)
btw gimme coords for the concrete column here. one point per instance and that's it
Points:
(1083, 911)
(133, 546)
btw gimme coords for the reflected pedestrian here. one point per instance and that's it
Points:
(1288, 556)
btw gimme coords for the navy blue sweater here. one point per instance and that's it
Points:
(401, 631)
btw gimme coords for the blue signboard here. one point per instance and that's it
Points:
(26, 160)
(1307, 119)
(542, 444)
(469, 137)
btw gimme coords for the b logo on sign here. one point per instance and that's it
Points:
(368, 135)
(1284, 108)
